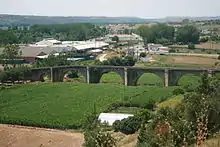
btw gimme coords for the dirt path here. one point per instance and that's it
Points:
(17, 136)
(102, 57)
(198, 55)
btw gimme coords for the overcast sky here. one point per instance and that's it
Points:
(139, 8)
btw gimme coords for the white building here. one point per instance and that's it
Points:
(48, 42)
(110, 118)
(126, 37)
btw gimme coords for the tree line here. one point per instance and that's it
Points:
(76, 32)
(164, 34)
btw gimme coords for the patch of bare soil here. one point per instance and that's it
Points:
(125, 140)
(17, 136)
(193, 60)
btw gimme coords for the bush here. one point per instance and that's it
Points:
(143, 55)
(191, 46)
(128, 126)
(117, 61)
(98, 138)
(172, 51)
(204, 39)
(150, 105)
(178, 91)
(219, 57)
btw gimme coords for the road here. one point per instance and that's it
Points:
(19, 136)
(102, 57)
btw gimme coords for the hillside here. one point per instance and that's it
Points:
(6, 20)
(65, 105)
(27, 20)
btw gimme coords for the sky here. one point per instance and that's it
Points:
(114, 8)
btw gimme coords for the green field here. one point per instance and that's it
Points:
(112, 78)
(65, 105)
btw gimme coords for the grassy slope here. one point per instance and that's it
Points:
(175, 61)
(63, 105)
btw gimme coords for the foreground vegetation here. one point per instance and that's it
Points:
(66, 105)
(193, 120)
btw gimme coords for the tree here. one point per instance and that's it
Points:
(7, 37)
(52, 60)
(202, 107)
(191, 46)
(159, 33)
(143, 55)
(10, 54)
(187, 34)
(117, 61)
(115, 38)
(128, 126)
(185, 21)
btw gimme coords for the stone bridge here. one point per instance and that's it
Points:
(129, 75)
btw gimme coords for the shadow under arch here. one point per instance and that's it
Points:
(45, 77)
(73, 75)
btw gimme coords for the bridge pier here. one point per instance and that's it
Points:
(87, 75)
(125, 76)
(166, 78)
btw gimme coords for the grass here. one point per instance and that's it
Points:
(65, 105)
(171, 103)
(189, 79)
(180, 61)
(127, 110)
(150, 79)
(145, 79)
(111, 77)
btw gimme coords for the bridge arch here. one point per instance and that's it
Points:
(45, 76)
(150, 79)
(176, 76)
(62, 74)
(96, 73)
(111, 77)
(135, 74)
(189, 79)
(73, 76)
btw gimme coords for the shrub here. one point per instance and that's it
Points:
(219, 57)
(150, 105)
(178, 91)
(191, 46)
(128, 126)
(172, 51)
(98, 138)
(143, 55)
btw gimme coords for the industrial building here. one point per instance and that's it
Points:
(46, 47)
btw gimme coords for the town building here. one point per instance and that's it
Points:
(125, 37)
(46, 47)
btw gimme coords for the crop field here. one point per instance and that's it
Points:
(65, 105)
(208, 45)
(181, 61)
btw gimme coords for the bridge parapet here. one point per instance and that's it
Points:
(130, 75)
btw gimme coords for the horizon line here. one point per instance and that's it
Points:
(107, 16)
